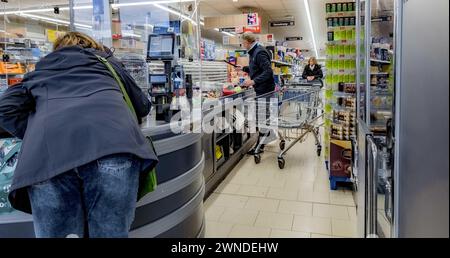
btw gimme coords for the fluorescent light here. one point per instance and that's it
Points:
(81, 7)
(131, 35)
(28, 11)
(176, 13)
(149, 3)
(43, 10)
(308, 14)
(216, 29)
(227, 33)
(49, 19)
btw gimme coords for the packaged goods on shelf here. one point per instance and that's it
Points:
(11, 68)
(212, 90)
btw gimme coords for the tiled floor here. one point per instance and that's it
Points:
(261, 201)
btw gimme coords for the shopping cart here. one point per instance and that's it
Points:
(297, 115)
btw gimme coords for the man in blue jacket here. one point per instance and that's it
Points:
(261, 77)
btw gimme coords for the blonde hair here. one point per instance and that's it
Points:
(312, 59)
(74, 38)
(250, 37)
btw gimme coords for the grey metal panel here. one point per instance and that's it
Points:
(423, 183)
(360, 193)
(164, 224)
(174, 185)
(175, 143)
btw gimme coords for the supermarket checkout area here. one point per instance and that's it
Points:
(188, 171)
(190, 164)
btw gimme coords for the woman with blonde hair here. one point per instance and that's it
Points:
(312, 71)
(83, 151)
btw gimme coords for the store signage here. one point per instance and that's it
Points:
(253, 29)
(294, 38)
(282, 23)
(229, 30)
(252, 19)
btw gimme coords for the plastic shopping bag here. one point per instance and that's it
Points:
(9, 149)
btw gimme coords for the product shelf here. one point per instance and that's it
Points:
(340, 14)
(342, 42)
(380, 61)
(337, 28)
(281, 63)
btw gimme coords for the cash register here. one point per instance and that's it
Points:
(167, 88)
(161, 47)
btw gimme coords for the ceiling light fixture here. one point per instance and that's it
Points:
(48, 19)
(43, 10)
(308, 14)
(149, 3)
(176, 13)
(228, 34)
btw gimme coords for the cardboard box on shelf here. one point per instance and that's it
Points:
(340, 158)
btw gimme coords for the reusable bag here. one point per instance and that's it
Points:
(9, 149)
(147, 180)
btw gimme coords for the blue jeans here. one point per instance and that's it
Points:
(94, 200)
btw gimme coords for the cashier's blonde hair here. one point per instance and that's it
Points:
(74, 38)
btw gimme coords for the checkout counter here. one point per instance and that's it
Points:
(232, 145)
(174, 209)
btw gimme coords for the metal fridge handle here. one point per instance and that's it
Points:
(355, 154)
(388, 201)
(372, 187)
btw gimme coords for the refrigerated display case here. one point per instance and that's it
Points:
(402, 156)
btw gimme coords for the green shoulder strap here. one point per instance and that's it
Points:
(119, 81)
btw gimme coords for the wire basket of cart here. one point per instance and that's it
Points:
(296, 115)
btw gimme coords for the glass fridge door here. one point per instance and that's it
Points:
(362, 58)
(381, 105)
(381, 73)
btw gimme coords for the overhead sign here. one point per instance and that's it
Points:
(252, 19)
(229, 30)
(294, 38)
(282, 23)
(253, 29)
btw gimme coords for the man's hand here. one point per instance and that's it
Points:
(310, 78)
(249, 83)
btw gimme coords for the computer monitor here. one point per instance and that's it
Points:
(158, 79)
(161, 46)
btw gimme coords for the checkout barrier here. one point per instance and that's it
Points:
(174, 209)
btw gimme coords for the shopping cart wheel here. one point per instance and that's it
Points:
(282, 144)
(257, 158)
(319, 150)
(281, 163)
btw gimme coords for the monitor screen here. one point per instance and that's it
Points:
(161, 46)
(158, 78)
